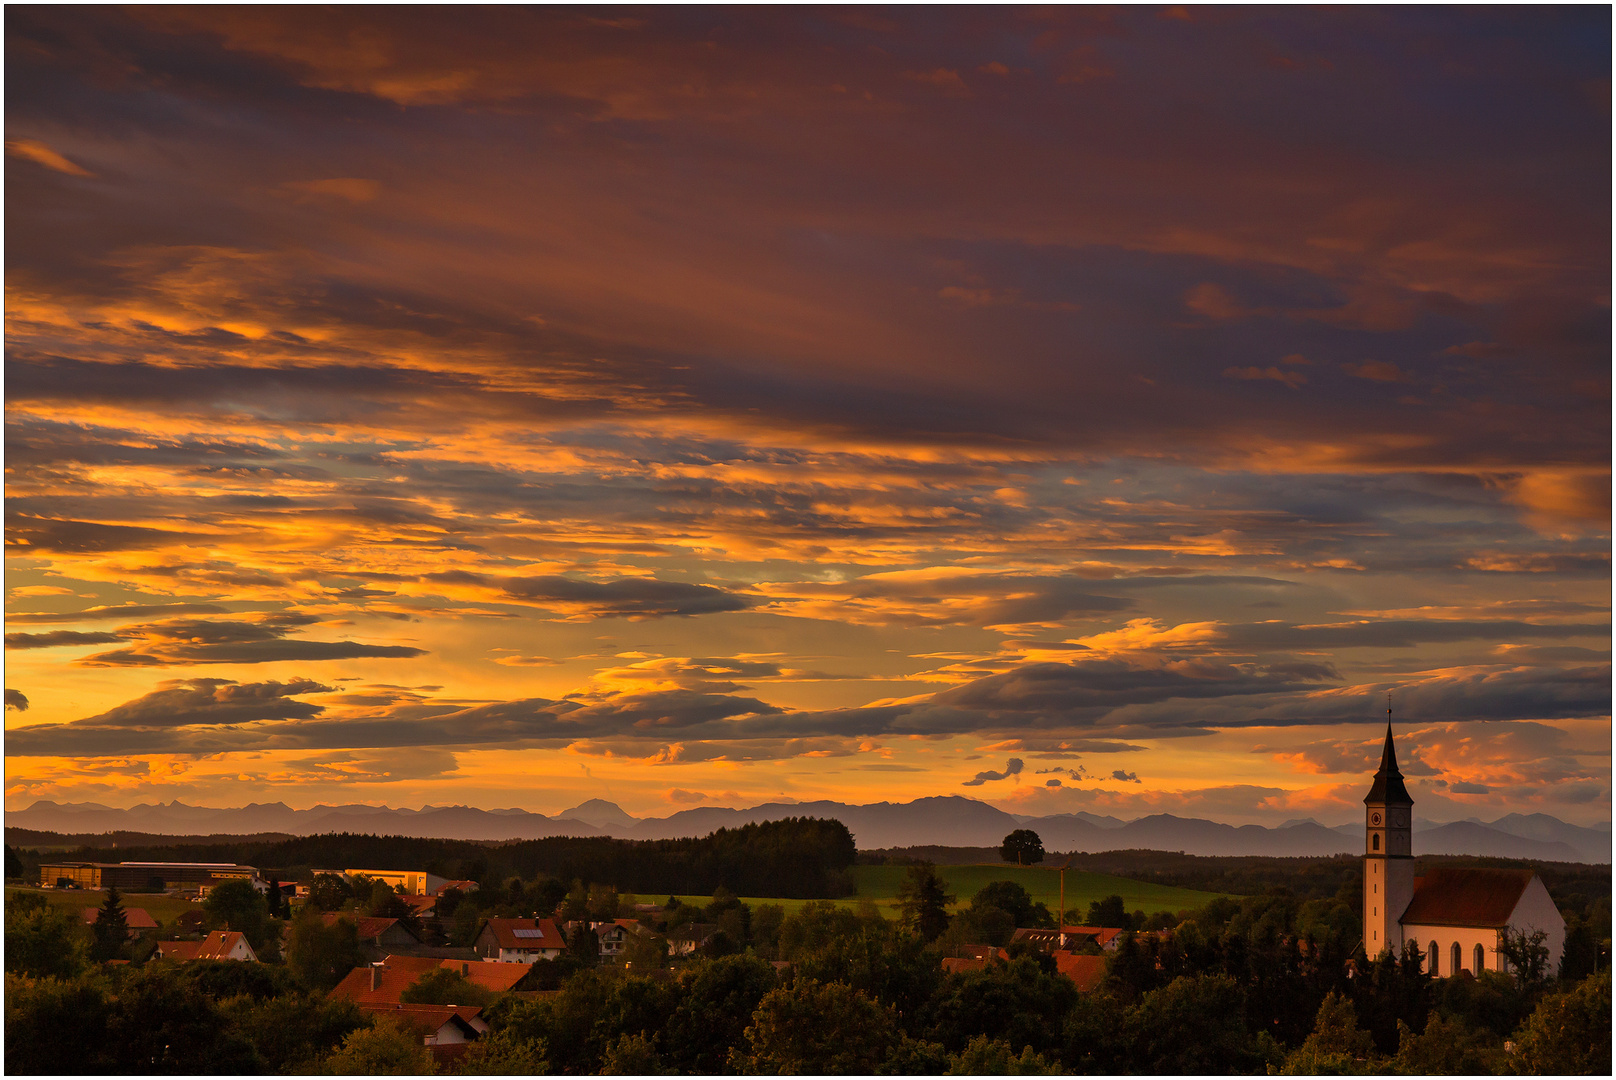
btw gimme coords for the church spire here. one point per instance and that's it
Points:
(1388, 787)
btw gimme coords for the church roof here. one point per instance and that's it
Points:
(1388, 786)
(1469, 896)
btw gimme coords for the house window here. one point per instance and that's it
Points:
(1458, 958)
(1436, 960)
(1481, 959)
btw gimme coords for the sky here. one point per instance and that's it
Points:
(1072, 409)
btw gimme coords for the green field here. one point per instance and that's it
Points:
(880, 884)
(163, 909)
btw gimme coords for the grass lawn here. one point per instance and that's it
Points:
(880, 884)
(162, 908)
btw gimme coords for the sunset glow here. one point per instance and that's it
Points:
(688, 407)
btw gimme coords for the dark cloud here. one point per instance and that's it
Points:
(59, 637)
(15, 699)
(1126, 777)
(1011, 768)
(116, 611)
(634, 598)
(217, 641)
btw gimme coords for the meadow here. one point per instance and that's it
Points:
(162, 908)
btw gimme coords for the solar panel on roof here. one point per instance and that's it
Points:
(528, 933)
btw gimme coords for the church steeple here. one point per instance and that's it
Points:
(1388, 786)
(1388, 852)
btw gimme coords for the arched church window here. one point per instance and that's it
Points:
(1481, 959)
(1375, 842)
(1436, 959)
(1458, 958)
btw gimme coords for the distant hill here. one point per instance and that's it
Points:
(949, 820)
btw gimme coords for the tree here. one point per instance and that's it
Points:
(445, 986)
(320, 956)
(39, 1005)
(632, 1055)
(110, 930)
(43, 940)
(1023, 846)
(505, 1053)
(386, 1049)
(815, 1028)
(993, 1057)
(1013, 900)
(1445, 1048)
(583, 945)
(1568, 1033)
(1526, 955)
(1111, 911)
(715, 1002)
(1335, 1044)
(236, 905)
(924, 901)
(292, 1031)
(330, 891)
(1196, 1025)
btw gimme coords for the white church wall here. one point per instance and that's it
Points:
(1467, 937)
(1536, 911)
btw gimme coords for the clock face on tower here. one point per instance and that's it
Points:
(1374, 819)
(1397, 819)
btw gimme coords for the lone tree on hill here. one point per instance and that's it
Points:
(1023, 846)
(111, 928)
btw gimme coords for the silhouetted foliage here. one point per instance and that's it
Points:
(1022, 847)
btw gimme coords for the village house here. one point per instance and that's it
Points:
(615, 936)
(690, 937)
(137, 919)
(385, 982)
(519, 941)
(375, 932)
(218, 945)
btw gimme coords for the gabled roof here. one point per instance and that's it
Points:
(370, 927)
(463, 886)
(391, 979)
(178, 950)
(431, 1019)
(1085, 971)
(694, 931)
(1041, 938)
(1388, 786)
(398, 973)
(135, 918)
(219, 943)
(536, 933)
(1467, 896)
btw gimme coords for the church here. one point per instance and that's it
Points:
(1457, 916)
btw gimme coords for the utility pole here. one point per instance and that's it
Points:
(1060, 917)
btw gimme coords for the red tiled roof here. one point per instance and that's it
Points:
(421, 905)
(393, 977)
(370, 927)
(430, 1019)
(179, 950)
(490, 974)
(463, 886)
(136, 918)
(505, 934)
(1085, 971)
(1466, 897)
(218, 944)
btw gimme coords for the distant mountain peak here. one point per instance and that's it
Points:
(601, 814)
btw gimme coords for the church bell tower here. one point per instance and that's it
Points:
(1388, 854)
